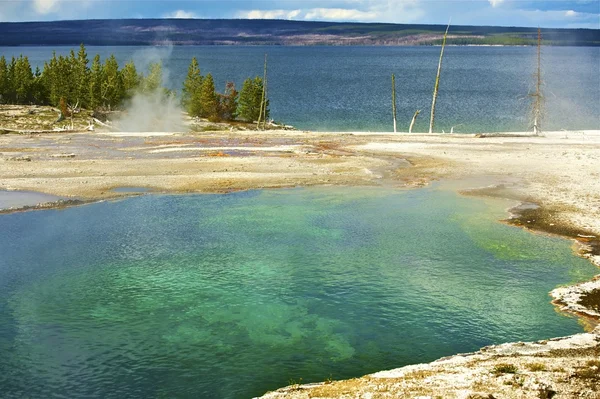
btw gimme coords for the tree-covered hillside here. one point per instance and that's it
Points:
(274, 32)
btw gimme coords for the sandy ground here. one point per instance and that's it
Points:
(560, 172)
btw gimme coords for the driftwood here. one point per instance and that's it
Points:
(101, 123)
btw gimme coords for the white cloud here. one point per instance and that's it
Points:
(340, 14)
(45, 6)
(333, 14)
(564, 13)
(181, 14)
(270, 14)
(396, 11)
(327, 14)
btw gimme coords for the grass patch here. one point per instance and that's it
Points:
(591, 300)
(593, 363)
(419, 374)
(590, 373)
(505, 368)
(536, 367)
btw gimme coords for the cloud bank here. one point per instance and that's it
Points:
(557, 13)
(544, 13)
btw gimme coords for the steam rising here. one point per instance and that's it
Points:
(157, 110)
(152, 112)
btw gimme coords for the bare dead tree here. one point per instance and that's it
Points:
(414, 119)
(73, 109)
(394, 100)
(263, 100)
(538, 99)
(437, 82)
(266, 89)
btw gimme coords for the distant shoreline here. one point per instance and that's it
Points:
(148, 32)
(285, 45)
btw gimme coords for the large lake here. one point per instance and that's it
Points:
(228, 296)
(349, 88)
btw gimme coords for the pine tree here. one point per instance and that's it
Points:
(246, 102)
(208, 98)
(81, 77)
(153, 81)
(228, 102)
(94, 99)
(191, 89)
(62, 79)
(130, 79)
(11, 86)
(38, 90)
(250, 100)
(50, 80)
(112, 87)
(71, 77)
(23, 80)
(3, 80)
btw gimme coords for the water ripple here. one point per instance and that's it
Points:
(230, 296)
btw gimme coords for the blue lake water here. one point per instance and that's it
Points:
(228, 296)
(349, 88)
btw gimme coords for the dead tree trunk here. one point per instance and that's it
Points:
(72, 110)
(263, 99)
(437, 82)
(394, 100)
(266, 88)
(537, 96)
(414, 119)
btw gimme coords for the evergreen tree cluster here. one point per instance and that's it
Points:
(199, 97)
(72, 79)
(251, 98)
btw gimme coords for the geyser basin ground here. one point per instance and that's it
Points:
(232, 295)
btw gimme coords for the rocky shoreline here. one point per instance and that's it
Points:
(567, 367)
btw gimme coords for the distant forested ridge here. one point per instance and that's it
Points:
(121, 32)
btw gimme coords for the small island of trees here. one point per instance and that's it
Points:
(70, 82)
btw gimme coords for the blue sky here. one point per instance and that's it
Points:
(552, 13)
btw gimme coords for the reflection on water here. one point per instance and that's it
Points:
(229, 296)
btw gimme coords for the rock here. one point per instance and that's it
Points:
(545, 391)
